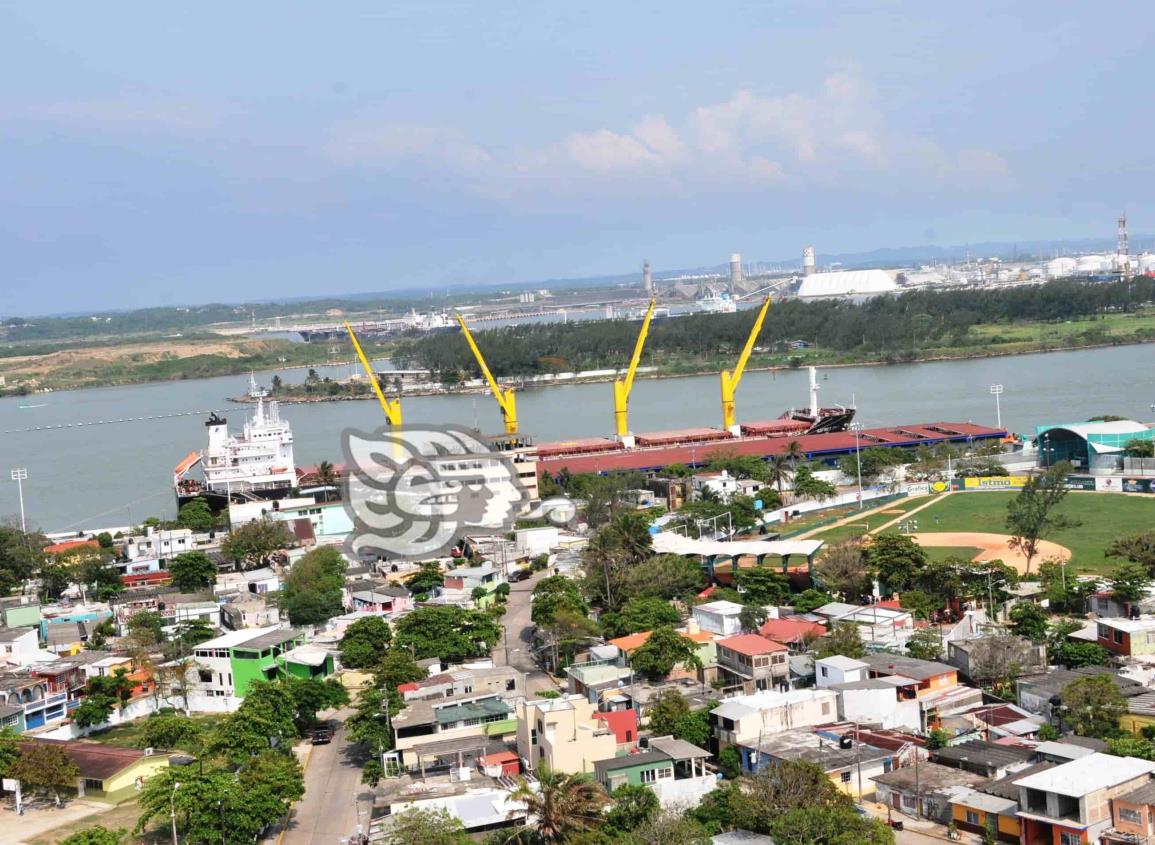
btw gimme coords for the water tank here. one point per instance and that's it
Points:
(1092, 264)
(1059, 267)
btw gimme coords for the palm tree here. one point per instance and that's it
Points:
(325, 473)
(560, 805)
(794, 454)
(779, 470)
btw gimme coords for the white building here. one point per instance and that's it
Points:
(856, 285)
(159, 543)
(719, 617)
(742, 719)
(835, 670)
(876, 701)
(21, 646)
(535, 541)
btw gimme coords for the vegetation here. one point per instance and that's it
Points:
(252, 544)
(843, 639)
(1092, 706)
(365, 642)
(662, 652)
(1031, 514)
(311, 592)
(561, 805)
(450, 633)
(192, 571)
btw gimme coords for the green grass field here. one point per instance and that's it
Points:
(852, 530)
(127, 735)
(1101, 516)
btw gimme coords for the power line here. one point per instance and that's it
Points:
(60, 426)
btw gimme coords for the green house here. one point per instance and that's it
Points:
(229, 664)
(643, 769)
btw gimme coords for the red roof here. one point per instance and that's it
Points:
(681, 435)
(812, 444)
(790, 630)
(57, 548)
(624, 723)
(499, 757)
(751, 644)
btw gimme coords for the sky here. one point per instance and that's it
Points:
(152, 154)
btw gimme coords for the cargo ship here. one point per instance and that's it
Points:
(822, 433)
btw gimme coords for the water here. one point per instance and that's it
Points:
(120, 474)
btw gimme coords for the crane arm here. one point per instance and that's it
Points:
(494, 387)
(736, 376)
(641, 342)
(392, 409)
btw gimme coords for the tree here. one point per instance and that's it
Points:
(842, 568)
(1030, 621)
(103, 694)
(730, 763)
(639, 614)
(95, 835)
(762, 586)
(1138, 447)
(874, 461)
(369, 725)
(806, 486)
(925, 644)
(662, 651)
(632, 807)
(372, 772)
(1131, 746)
(1078, 655)
(561, 804)
(779, 471)
(450, 633)
(188, 635)
(668, 708)
(266, 718)
(426, 827)
(775, 791)
(1137, 548)
(553, 595)
(196, 515)
(1129, 581)
(897, 559)
(169, 730)
(46, 768)
(429, 576)
(1031, 514)
(751, 617)
(251, 544)
(1092, 705)
(311, 592)
(831, 826)
(9, 750)
(937, 738)
(398, 666)
(312, 695)
(192, 571)
(148, 623)
(843, 639)
(666, 577)
(670, 828)
(364, 642)
(811, 599)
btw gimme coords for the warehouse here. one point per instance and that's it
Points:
(855, 285)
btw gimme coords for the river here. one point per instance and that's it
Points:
(120, 473)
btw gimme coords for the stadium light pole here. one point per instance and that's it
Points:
(857, 427)
(997, 391)
(20, 475)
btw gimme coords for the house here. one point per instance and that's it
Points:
(261, 581)
(850, 765)
(504, 680)
(978, 812)
(1132, 817)
(986, 658)
(719, 617)
(106, 772)
(721, 486)
(878, 701)
(20, 646)
(563, 734)
(1071, 802)
(835, 670)
(878, 624)
(741, 720)
(989, 759)
(1127, 637)
(931, 675)
(795, 634)
(466, 579)
(706, 652)
(674, 769)
(1037, 692)
(1069, 748)
(164, 543)
(532, 542)
(389, 599)
(998, 721)
(623, 723)
(249, 611)
(597, 676)
(925, 789)
(434, 733)
(753, 663)
(227, 665)
(1140, 713)
(1104, 604)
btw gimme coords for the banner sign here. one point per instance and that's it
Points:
(995, 482)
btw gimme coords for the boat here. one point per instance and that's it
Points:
(716, 303)
(254, 465)
(37, 405)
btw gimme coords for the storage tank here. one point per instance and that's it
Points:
(1092, 264)
(1060, 267)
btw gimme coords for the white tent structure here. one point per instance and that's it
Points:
(847, 284)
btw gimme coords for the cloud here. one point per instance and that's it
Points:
(834, 136)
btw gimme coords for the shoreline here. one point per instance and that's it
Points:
(657, 376)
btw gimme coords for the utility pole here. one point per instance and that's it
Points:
(20, 475)
(997, 391)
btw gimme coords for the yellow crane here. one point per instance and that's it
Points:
(506, 399)
(392, 408)
(730, 379)
(622, 387)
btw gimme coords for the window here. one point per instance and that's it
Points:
(845, 777)
(972, 817)
(206, 677)
(1126, 814)
(1066, 838)
(1118, 636)
(510, 685)
(648, 776)
(94, 784)
(825, 673)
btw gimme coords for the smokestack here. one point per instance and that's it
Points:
(735, 273)
(808, 261)
(647, 278)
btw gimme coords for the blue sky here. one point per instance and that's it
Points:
(151, 154)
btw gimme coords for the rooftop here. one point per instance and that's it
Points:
(250, 638)
(677, 749)
(984, 753)
(803, 744)
(745, 705)
(929, 777)
(628, 761)
(1005, 787)
(1089, 774)
(790, 630)
(844, 664)
(95, 760)
(751, 645)
(1143, 795)
(909, 667)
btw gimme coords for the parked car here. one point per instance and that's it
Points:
(322, 735)
(519, 575)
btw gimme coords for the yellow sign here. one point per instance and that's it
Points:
(995, 482)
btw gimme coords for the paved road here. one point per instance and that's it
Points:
(518, 636)
(334, 794)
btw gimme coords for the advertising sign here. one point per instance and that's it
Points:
(995, 482)
(1081, 482)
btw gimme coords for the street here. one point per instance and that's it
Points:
(518, 636)
(335, 801)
